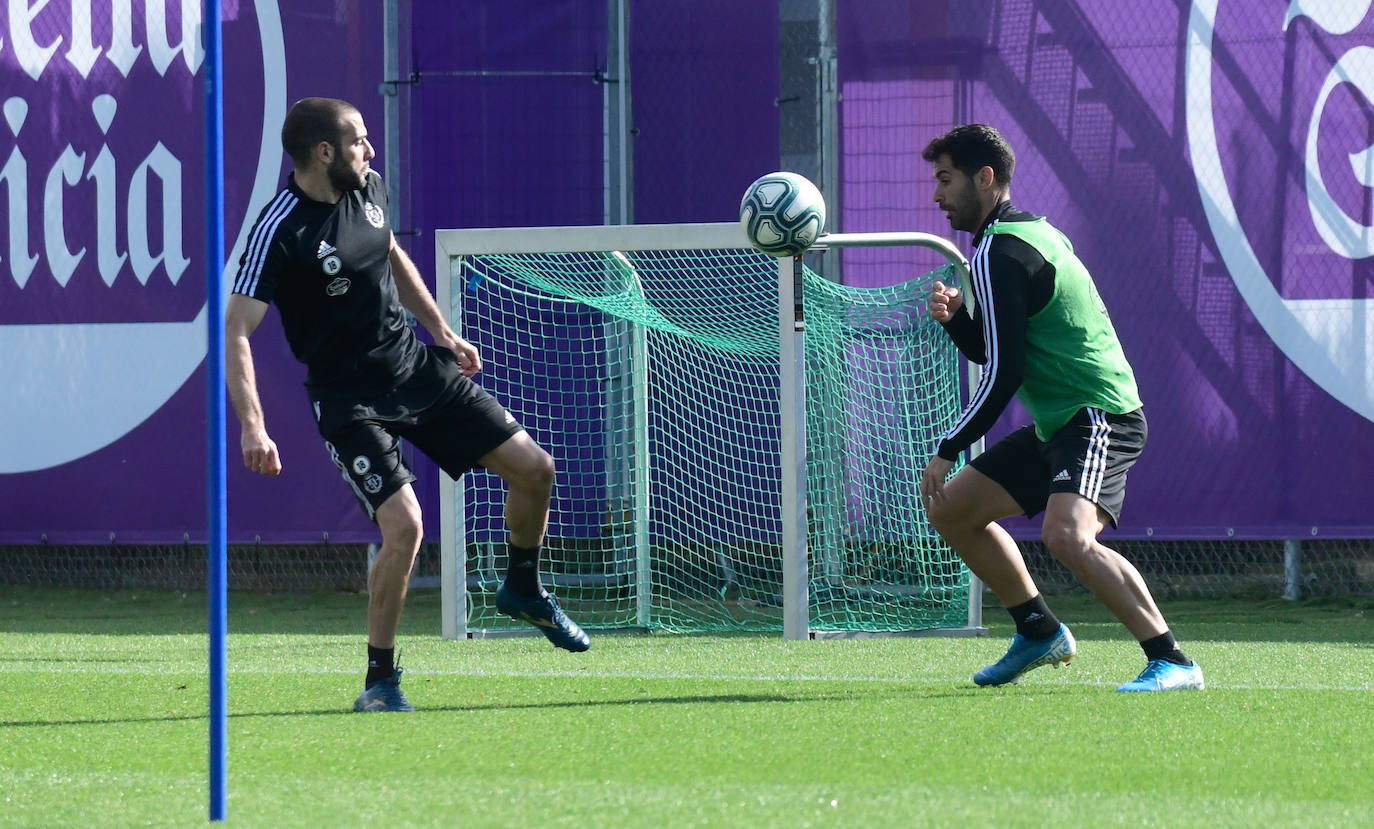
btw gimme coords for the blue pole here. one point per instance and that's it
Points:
(214, 362)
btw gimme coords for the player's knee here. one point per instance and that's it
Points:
(402, 525)
(1066, 541)
(946, 515)
(537, 471)
(403, 536)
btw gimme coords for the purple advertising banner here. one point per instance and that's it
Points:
(102, 286)
(1211, 161)
(1212, 164)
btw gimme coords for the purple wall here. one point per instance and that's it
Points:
(704, 81)
(1238, 284)
(504, 125)
(1216, 178)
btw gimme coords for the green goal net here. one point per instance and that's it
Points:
(649, 368)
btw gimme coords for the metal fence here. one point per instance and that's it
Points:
(1187, 569)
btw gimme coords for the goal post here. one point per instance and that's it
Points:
(738, 442)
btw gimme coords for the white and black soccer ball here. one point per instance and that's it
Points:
(782, 214)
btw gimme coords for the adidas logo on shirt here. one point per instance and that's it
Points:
(325, 250)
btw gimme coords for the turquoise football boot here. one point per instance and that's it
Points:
(1029, 654)
(1162, 675)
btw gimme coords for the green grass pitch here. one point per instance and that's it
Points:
(103, 701)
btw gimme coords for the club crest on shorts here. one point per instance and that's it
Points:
(373, 484)
(338, 287)
(374, 215)
(361, 465)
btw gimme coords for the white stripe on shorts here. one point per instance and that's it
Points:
(1095, 464)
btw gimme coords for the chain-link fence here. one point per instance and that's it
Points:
(1188, 569)
(1230, 569)
(266, 568)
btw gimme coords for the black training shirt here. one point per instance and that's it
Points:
(1013, 280)
(328, 269)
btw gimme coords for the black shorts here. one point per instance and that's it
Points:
(439, 411)
(1089, 456)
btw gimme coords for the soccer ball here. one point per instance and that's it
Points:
(782, 214)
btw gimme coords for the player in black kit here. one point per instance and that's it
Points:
(323, 251)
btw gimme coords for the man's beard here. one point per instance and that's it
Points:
(964, 216)
(342, 177)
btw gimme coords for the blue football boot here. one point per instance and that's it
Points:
(543, 612)
(1028, 654)
(1162, 675)
(383, 695)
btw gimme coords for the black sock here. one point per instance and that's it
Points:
(1033, 619)
(380, 664)
(522, 575)
(1164, 647)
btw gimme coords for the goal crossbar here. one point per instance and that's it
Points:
(457, 250)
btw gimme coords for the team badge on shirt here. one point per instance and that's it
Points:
(374, 215)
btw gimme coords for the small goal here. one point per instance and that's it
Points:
(739, 442)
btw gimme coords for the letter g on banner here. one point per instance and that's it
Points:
(1329, 340)
(76, 385)
(1344, 235)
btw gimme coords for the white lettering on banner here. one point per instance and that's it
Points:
(82, 386)
(1329, 340)
(66, 173)
(33, 57)
(189, 46)
(83, 53)
(108, 257)
(1344, 235)
(1339, 17)
(123, 51)
(15, 176)
(60, 259)
(168, 169)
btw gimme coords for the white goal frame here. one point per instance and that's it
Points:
(452, 245)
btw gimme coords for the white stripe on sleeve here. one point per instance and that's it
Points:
(982, 284)
(260, 240)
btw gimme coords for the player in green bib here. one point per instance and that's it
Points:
(1036, 324)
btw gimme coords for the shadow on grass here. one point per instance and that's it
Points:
(970, 693)
(694, 699)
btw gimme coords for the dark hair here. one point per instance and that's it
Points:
(972, 147)
(310, 121)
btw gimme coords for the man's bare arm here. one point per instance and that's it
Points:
(242, 317)
(410, 286)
